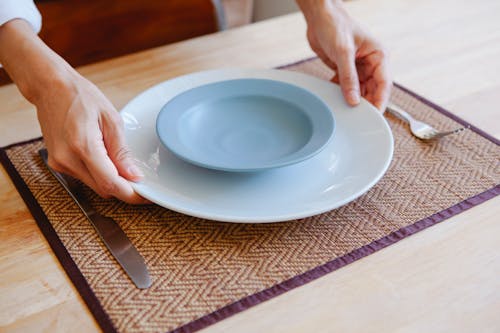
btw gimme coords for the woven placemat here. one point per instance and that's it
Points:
(204, 271)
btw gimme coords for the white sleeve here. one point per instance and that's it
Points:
(24, 9)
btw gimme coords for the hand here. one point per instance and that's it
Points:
(83, 133)
(359, 61)
(82, 130)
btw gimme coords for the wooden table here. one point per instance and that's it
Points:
(447, 50)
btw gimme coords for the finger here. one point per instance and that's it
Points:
(382, 96)
(348, 75)
(376, 72)
(335, 79)
(383, 87)
(365, 70)
(110, 183)
(116, 146)
(363, 89)
(94, 155)
(327, 61)
(81, 172)
(75, 168)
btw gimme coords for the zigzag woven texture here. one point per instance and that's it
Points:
(200, 266)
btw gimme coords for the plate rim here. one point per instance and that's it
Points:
(269, 218)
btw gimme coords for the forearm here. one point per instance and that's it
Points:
(31, 64)
(316, 9)
(81, 129)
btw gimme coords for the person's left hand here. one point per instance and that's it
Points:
(359, 60)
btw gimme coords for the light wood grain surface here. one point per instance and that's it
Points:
(445, 278)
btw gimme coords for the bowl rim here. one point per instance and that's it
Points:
(318, 140)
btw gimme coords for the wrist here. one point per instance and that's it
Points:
(31, 64)
(315, 10)
(49, 77)
(49, 74)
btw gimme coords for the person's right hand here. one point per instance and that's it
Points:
(82, 130)
(83, 133)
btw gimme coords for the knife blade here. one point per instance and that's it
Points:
(109, 231)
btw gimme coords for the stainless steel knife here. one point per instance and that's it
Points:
(110, 232)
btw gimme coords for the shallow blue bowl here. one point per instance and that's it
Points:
(245, 125)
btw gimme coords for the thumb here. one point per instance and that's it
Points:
(118, 151)
(348, 76)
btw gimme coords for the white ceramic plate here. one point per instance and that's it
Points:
(352, 162)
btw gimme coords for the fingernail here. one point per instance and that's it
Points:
(135, 171)
(353, 97)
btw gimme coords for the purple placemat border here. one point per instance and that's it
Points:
(105, 322)
(62, 254)
(335, 264)
(449, 114)
(357, 254)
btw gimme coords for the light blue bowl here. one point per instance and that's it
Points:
(245, 125)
